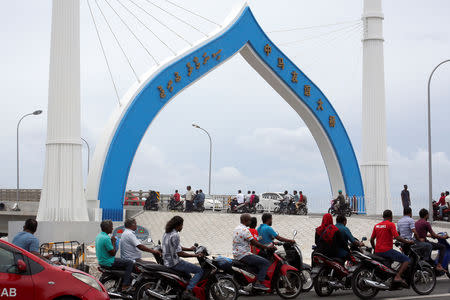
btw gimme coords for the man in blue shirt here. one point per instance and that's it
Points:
(266, 232)
(343, 251)
(26, 239)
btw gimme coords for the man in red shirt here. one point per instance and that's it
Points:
(442, 204)
(176, 196)
(384, 233)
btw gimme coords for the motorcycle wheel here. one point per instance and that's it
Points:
(259, 208)
(423, 281)
(349, 213)
(145, 285)
(332, 211)
(228, 210)
(289, 286)
(307, 280)
(224, 289)
(303, 211)
(358, 286)
(321, 285)
(110, 283)
(276, 210)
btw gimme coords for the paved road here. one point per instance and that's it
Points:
(441, 292)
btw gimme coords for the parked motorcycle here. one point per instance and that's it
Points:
(376, 273)
(293, 255)
(160, 282)
(281, 277)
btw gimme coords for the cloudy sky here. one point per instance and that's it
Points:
(260, 143)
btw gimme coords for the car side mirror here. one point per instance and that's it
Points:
(21, 266)
(364, 239)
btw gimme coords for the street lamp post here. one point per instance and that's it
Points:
(37, 112)
(89, 153)
(210, 156)
(430, 173)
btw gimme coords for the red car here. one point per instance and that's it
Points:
(25, 276)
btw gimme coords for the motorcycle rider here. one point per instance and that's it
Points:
(341, 224)
(423, 227)
(266, 232)
(327, 237)
(199, 200)
(339, 202)
(242, 242)
(285, 201)
(130, 246)
(407, 230)
(384, 232)
(172, 251)
(105, 250)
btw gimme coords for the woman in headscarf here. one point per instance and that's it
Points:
(328, 239)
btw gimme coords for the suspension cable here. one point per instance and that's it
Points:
(193, 13)
(117, 41)
(320, 35)
(143, 24)
(160, 22)
(104, 53)
(312, 27)
(132, 32)
(179, 19)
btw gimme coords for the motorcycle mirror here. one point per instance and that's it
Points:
(294, 232)
(364, 239)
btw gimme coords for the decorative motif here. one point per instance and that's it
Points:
(307, 90)
(197, 63)
(267, 49)
(177, 77)
(332, 121)
(217, 55)
(169, 86)
(190, 68)
(294, 78)
(205, 58)
(280, 63)
(162, 93)
(320, 104)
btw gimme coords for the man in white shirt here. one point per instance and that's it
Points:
(130, 245)
(240, 197)
(242, 239)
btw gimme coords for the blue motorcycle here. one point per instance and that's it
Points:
(445, 263)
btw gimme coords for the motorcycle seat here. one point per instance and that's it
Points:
(384, 261)
(118, 273)
(161, 268)
(336, 259)
(238, 264)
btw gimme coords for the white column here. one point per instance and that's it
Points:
(374, 165)
(62, 196)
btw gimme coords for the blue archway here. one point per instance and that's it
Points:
(244, 36)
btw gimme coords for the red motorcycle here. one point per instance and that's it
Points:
(281, 277)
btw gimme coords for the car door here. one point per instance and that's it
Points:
(14, 284)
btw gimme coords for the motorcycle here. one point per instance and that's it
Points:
(302, 209)
(346, 210)
(281, 277)
(241, 208)
(174, 205)
(446, 262)
(330, 274)
(160, 282)
(376, 273)
(293, 255)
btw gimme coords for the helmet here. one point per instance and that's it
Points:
(340, 191)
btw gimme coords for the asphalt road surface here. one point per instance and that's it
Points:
(441, 292)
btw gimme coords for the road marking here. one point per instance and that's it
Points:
(418, 297)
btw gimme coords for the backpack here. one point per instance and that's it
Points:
(256, 199)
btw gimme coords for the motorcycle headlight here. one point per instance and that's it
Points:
(88, 280)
